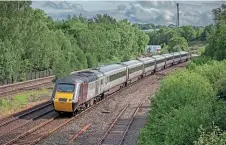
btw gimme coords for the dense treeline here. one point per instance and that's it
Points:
(183, 35)
(190, 106)
(32, 41)
(174, 39)
(217, 45)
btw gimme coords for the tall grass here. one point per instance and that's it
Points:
(16, 102)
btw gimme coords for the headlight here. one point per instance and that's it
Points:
(54, 99)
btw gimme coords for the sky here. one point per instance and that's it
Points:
(197, 13)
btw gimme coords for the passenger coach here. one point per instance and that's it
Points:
(149, 65)
(135, 70)
(83, 88)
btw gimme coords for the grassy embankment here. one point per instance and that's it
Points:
(14, 103)
(187, 104)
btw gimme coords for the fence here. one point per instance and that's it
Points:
(29, 76)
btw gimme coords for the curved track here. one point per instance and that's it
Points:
(52, 122)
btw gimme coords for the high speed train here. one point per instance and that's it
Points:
(82, 89)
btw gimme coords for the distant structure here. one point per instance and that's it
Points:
(178, 15)
(150, 30)
(153, 48)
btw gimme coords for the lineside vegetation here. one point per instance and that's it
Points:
(32, 41)
(189, 108)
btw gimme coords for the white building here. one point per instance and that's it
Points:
(153, 48)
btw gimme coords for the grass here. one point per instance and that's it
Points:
(197, 47)
(197, 43)
(19, 101)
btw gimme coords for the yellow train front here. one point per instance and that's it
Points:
(65, 95)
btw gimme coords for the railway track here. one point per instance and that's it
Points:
(16, 126)
(119, 128)
(20, 115)
(10, 89)
(53, 123)
(93, 134)
(43, 130)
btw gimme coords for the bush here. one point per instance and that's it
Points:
(213, 137)
(185, 99)
(182, 128)
(213, 70)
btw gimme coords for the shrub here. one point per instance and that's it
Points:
(183, 92)
(213, 137)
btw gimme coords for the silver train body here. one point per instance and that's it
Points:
(92, 85)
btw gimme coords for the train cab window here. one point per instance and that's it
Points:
(65, 88)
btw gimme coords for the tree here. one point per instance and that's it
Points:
(32, 41)
(216, 47)
(220, 13)
(177, 43)
(188, 32)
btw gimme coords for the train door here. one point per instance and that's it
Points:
(97, 87)
(101, 85)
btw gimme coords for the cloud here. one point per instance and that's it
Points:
(157, 12)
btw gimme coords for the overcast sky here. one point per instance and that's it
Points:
(156, 12)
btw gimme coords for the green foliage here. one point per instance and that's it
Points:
(164, 50)
(178, 109)
(214, 71)
(188, 32)
(162, 36)
(217, 43)
(220, 13)
(198, 61)
(208, 30)
(177, 44)
(15, 103)
(185, 101)
(215, 136)
(216, 47)
(182, 34)
(32, 41)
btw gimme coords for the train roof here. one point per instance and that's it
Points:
(167, 55)
(83, 76)
(176, 53)
(132, 62)
(146, 59)
(97, 72)
(110, 67)
(158, 57)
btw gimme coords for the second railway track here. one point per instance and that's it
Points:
(43, 129)
(119, 128)
(10, 89)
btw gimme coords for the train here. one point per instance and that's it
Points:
(82, 89)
